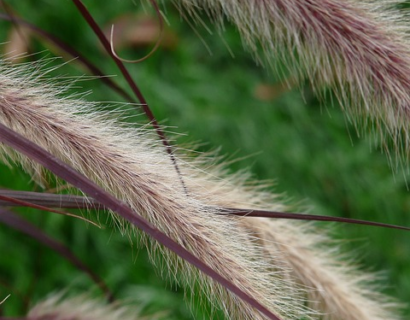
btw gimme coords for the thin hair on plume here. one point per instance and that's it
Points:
(358, 49)
(83, 307)
(182, 207)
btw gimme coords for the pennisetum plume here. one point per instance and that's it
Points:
(83, 307)
(133, 166)
(286, 266)
(359, 49)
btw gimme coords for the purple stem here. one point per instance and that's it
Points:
(100, 34)
(67, 173)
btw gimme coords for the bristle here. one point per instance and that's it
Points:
(358, 49)
(335, 288)
(354, 47)
(136, 169)
(280, 264)
(83, 307)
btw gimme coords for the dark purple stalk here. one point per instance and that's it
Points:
(100, 34)
(79, 202)
(65, 172)
(18, 223)
(66, 201)
(71, 51)
(23, 203)
(308, 217)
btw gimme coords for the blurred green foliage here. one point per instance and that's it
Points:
(280, 133)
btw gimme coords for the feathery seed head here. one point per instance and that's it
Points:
(359, 49)
(283, 265)
(280, 264)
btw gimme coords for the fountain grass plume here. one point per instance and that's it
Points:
(84, 307)
(358, 49)
(333, 284)
(133, 166)
(282, 265)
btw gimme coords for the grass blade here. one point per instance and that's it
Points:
(18, 223)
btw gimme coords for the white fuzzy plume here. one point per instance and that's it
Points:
(283, 265)
(83, 307)
(359, 49)
(136, 169)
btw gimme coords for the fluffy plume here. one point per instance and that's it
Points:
(334, 288)
(59, 307)
(359, 49)
(135, 168)
(283, 265)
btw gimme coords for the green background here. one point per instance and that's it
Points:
(303, 145)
